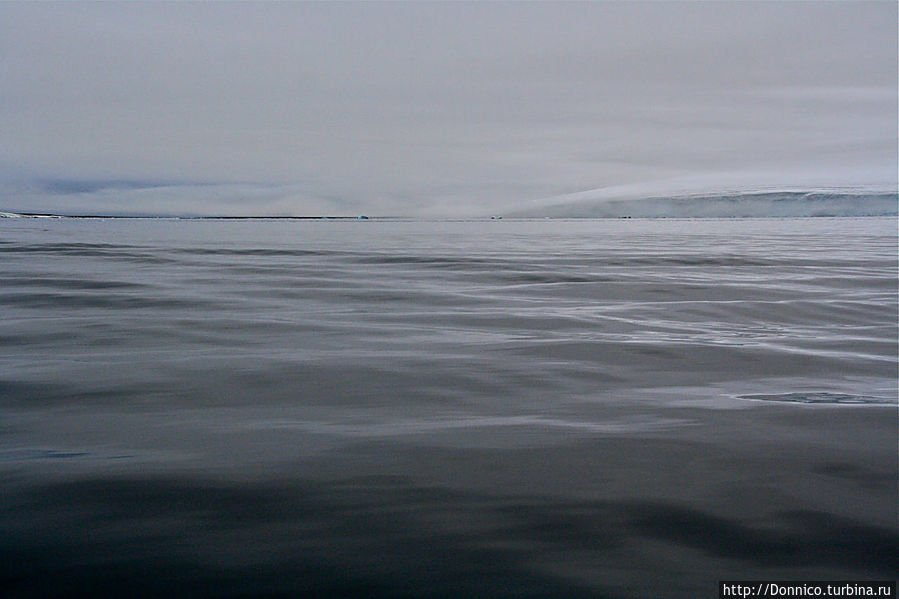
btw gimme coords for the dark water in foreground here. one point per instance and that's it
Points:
(445, 409)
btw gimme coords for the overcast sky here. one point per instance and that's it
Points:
(436, 108)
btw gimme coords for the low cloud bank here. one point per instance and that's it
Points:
(124, 198)
(149, 198)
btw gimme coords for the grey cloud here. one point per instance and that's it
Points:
(427, 107)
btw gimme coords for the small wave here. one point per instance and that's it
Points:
(132, 253)
(28, 454)
(265, 252)
(823, 397)
(441, 262)
(70, 283)
(106, 301)
(418, 426)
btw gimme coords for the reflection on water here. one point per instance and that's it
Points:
(445, 409)
(823, 397)
(386, 537)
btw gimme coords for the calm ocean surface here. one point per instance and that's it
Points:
(581, 408)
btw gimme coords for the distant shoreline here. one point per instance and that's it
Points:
(589, 205)
(17, 215)
(178, 217)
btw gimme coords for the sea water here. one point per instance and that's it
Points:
(498, 408)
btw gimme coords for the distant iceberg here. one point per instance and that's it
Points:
(17, 215)
(725, 205)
